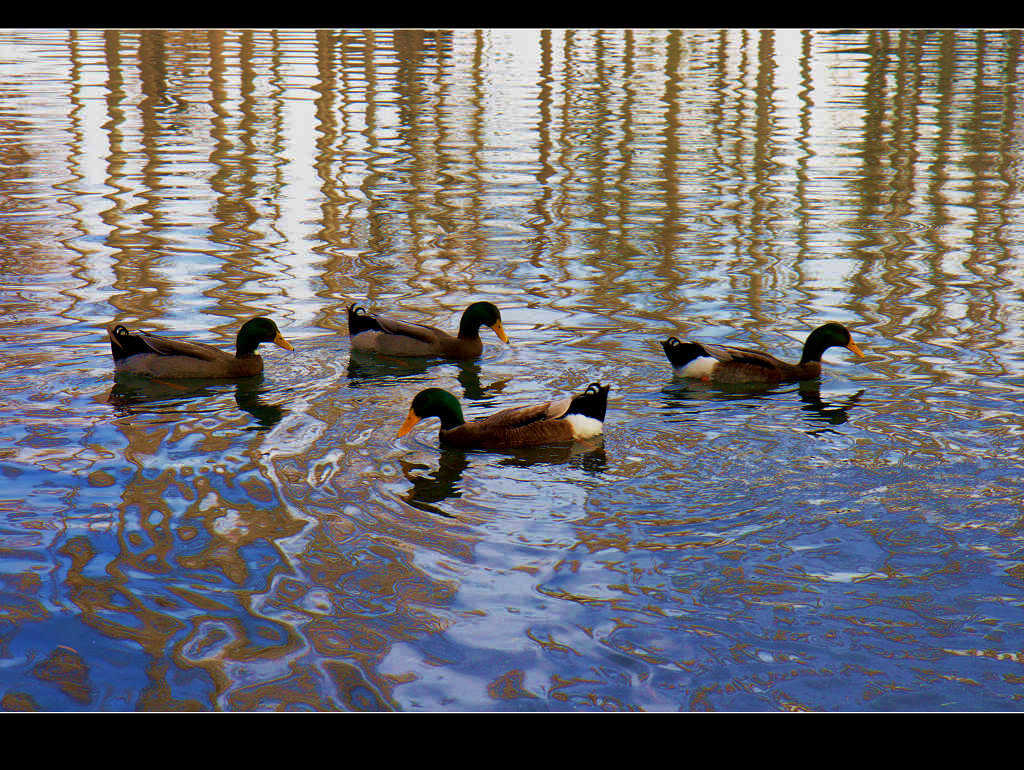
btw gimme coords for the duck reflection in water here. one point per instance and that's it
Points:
(820, 410)
(445, 482)
(441, 485)
(248, 396)
(587, 454)
(373, 369)
(816, 409)
(132, 391)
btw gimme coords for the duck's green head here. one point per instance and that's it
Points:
(433, 402)
(829, 335)
(481, 314)
(255, 331)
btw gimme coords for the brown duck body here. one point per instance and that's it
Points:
(731, 365)
(152, 355)
(568, 419)
(372, 333)
(399, 338)
(534, 425)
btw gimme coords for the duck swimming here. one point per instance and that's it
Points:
(567, 419)
(382, 334)
(726, 364)
(154, 355)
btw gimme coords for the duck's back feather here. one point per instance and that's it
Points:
(360, 322)
(166, 346)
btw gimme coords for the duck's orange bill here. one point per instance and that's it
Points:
(281, 342)
(409, 424)
(500, 331)
(853, 346)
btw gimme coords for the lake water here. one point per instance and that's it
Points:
(851, 544)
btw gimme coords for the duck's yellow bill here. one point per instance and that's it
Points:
(409, 424)
(500, 331)
(281, 342)
(853, 346)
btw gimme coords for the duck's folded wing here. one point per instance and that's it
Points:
(419, 332)
(165, 346)
(731, 355)
(521, 426)
(517, 417)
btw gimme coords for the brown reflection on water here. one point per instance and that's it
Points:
(992, 123)
(332, 128)
(235, 183)
(924, 276)
(215, 571)
(140, 290)
(402, 162)
(765, 212)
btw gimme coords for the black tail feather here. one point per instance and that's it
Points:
(681, 353)
(593, 402)
(124, 344)
(360, 321)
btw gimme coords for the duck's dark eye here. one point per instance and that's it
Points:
(120, 331)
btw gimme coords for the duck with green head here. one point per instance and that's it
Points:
(154, 355)
(726, 364)
(383, 334)
(568, 419)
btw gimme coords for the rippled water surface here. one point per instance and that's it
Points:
(854, 543)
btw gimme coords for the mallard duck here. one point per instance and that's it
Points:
(155, 356)
(379, 334)
(721, 363)
(568, 419)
